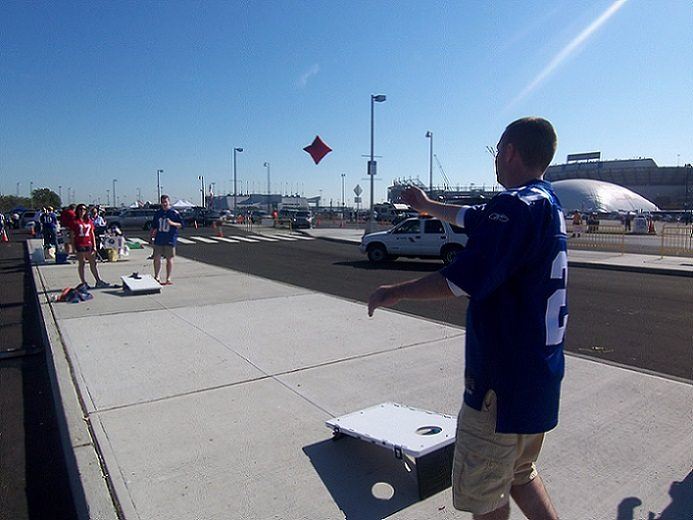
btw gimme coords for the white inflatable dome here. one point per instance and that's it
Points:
(603, 197)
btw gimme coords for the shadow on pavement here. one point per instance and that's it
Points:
(395, 265)
(681, 506)
(353, 470)
(34, 482)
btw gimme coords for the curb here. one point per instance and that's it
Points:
(632, 268)
(89, 480)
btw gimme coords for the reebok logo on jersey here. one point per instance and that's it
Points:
(500, 217)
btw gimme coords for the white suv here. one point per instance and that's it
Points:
(420, 237)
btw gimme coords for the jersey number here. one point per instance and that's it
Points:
(163, 225)
(557, 301)
(84, 230)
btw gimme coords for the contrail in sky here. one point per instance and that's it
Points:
(570, 49)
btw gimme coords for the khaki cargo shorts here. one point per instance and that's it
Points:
(487, 464)
(165, 251)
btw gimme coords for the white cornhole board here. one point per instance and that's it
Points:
(427, 437)
(144, 284)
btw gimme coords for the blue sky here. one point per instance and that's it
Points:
(92, 91)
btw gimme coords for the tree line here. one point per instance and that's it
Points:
(40, 197)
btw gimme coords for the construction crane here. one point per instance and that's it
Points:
(446, 182)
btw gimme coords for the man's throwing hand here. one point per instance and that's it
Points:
(416, 198)
(382, 297)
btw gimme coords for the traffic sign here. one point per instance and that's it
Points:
(357, 200)
(358, 190)
(372, 167)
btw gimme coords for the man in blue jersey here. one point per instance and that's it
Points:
(165, 225)
(49, 226)
(514, 272)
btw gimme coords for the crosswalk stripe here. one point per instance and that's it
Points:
(204, 239)
(226, 239)
(138, 240)
(263, 237)
(185, 241)
(287, 239)
(244, 239)
(295, 237)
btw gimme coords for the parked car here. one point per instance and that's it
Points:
(296, 218)
(133, 218)
(203, 216)
(420, 237)
(28, 216)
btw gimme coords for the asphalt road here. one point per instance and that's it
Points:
(641, 320)
(33, 476)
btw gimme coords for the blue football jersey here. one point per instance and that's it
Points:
(515, 270)
(166, 235)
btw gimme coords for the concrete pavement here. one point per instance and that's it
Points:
(208, 401)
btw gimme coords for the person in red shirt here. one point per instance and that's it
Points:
(83, 241)
(66, 218)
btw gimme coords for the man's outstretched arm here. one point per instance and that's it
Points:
(431, 287)
(418, 200)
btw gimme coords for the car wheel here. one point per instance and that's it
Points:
(449, 253)
(377, 253)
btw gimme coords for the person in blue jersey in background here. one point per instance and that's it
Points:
(165, 225)
(514, 272)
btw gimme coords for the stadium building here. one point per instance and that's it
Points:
(668, 187)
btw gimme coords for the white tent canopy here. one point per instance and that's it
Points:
(182, 204)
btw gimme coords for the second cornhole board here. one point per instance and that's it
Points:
(426, 437)
(140, 284)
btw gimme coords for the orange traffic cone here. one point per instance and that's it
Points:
(651, 228)
(3, 236)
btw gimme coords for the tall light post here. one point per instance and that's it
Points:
(108, 196)
(429, 134)
(60, 194)
(343, 176)
(379, 98)
(158, 185)
(201, 178)
(31, 192)
(139, 195)
(235, 190)
(17, 188)
(269, 204)
(115, 201)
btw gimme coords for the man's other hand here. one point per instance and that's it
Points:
(384, 296)
(416, 198)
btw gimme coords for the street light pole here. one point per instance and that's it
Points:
(115, 203)
(108, 196)
(60, 194)
(343, 176)
(269, 193)
(158, 185)
(371, 164)
(201, 178)
(429, 134)
(235, 190)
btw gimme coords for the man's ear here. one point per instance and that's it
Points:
(511, 153)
